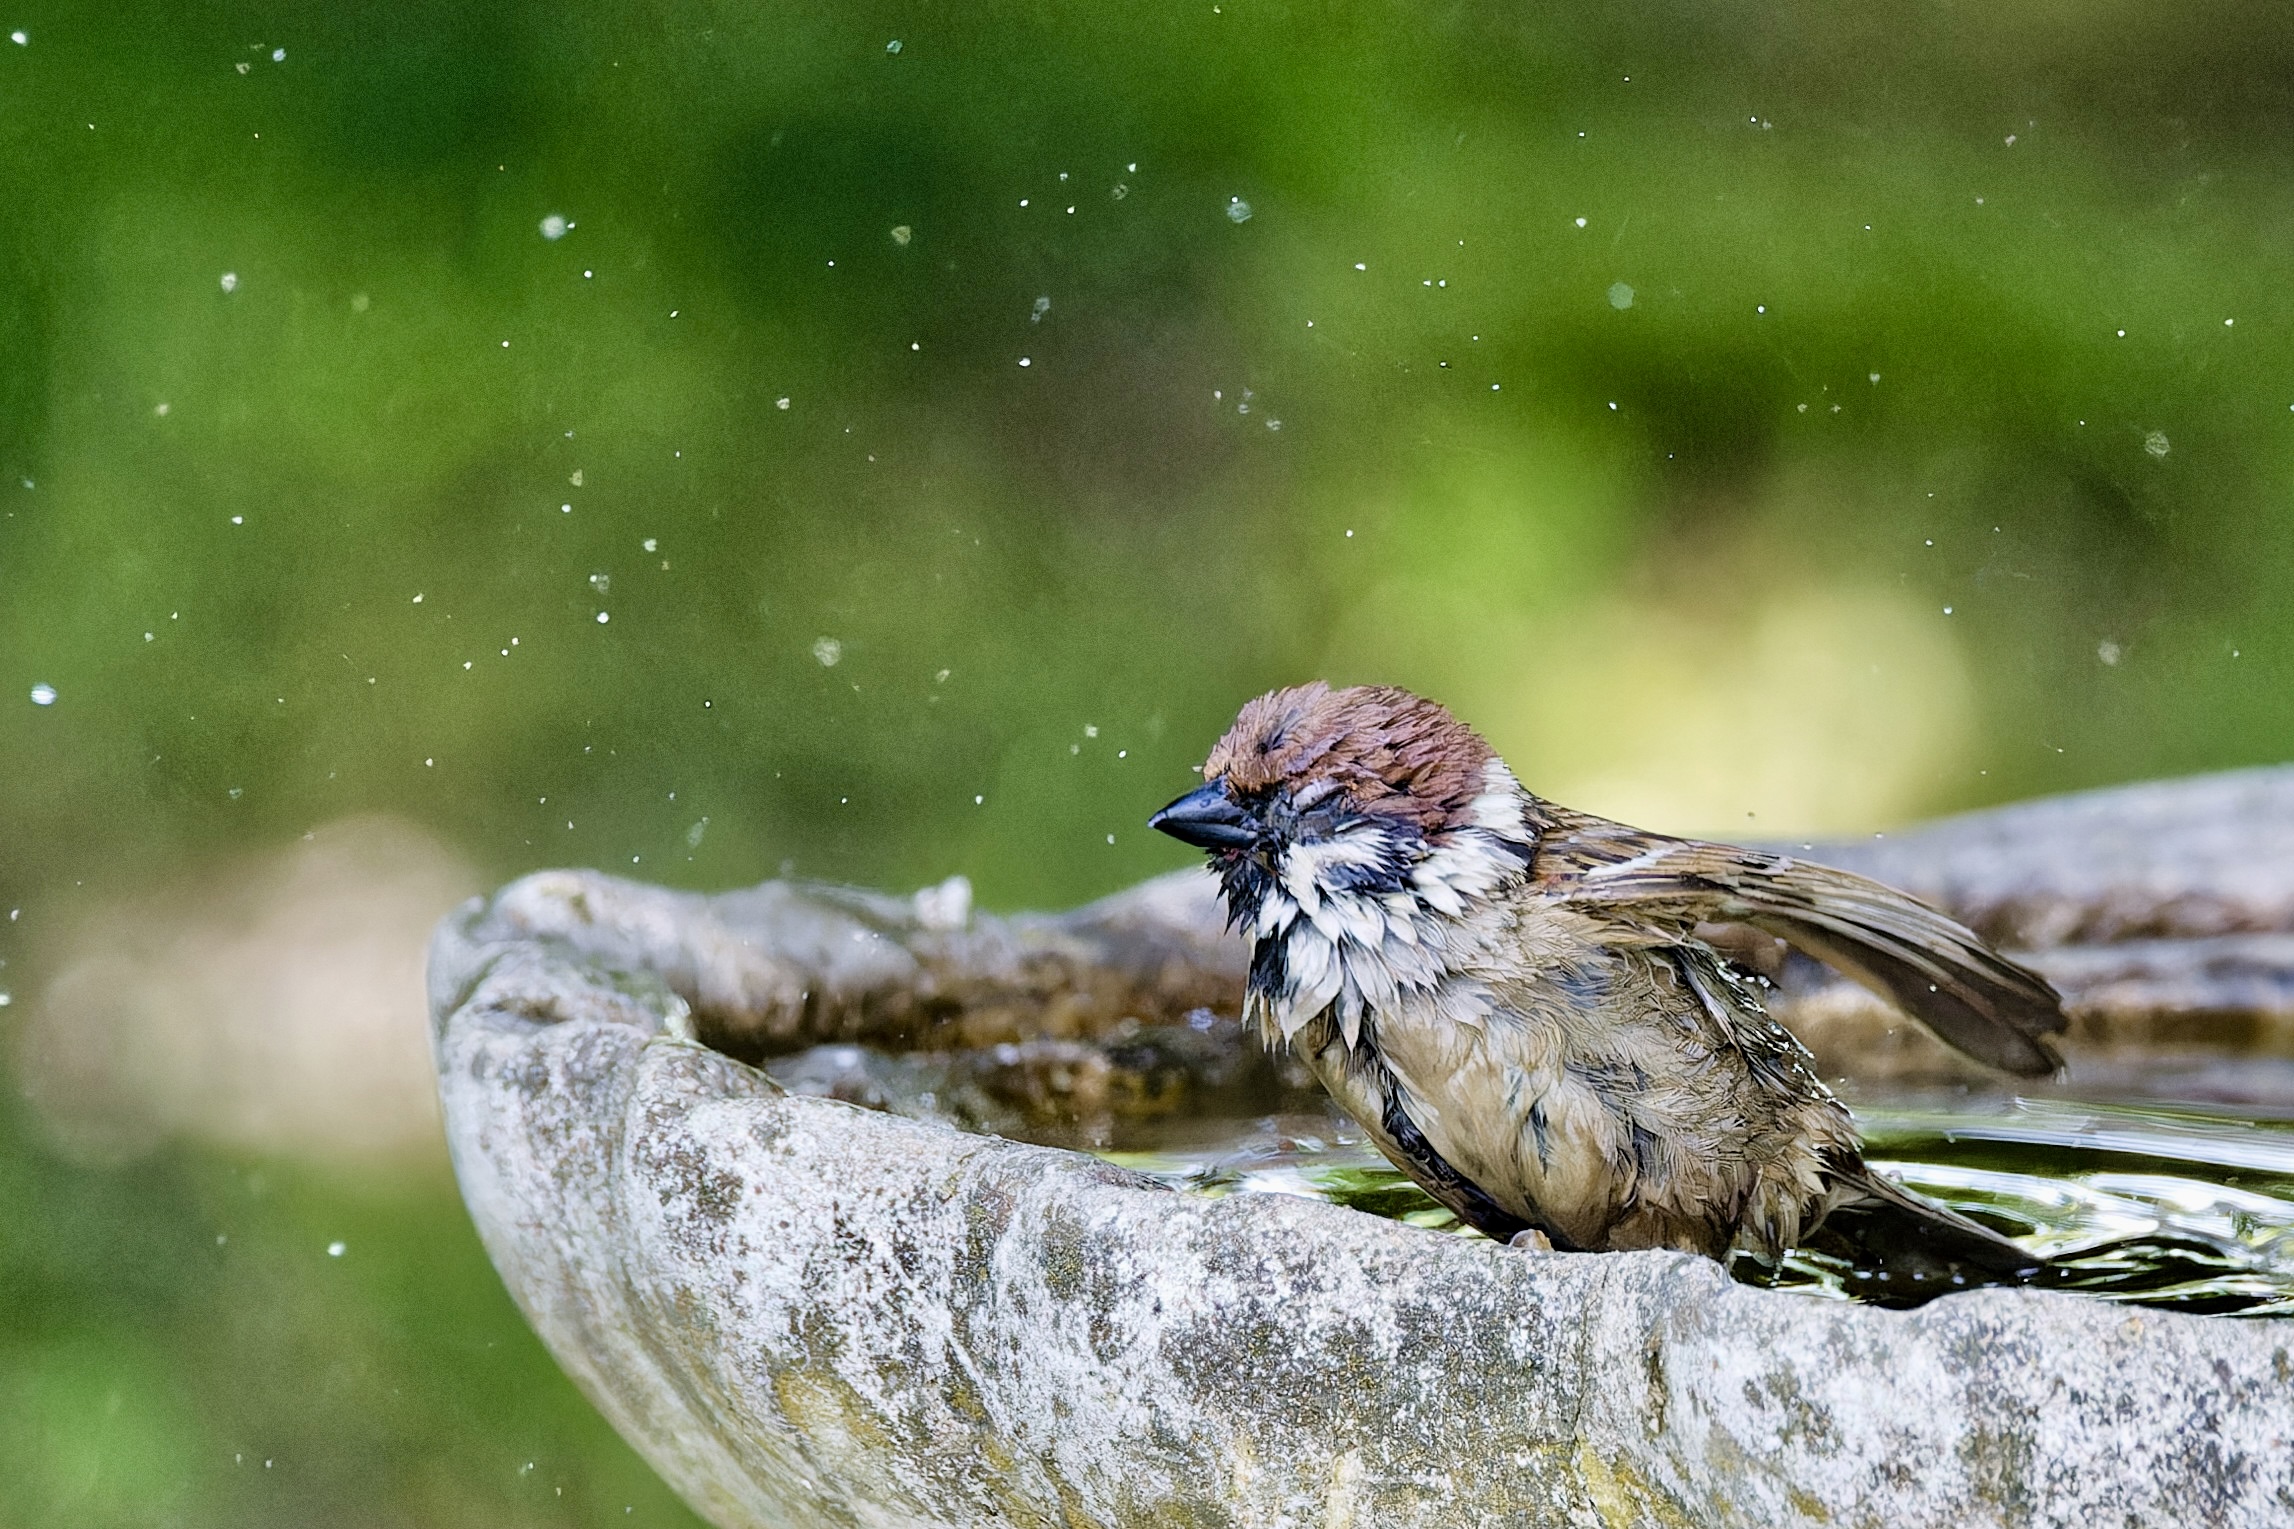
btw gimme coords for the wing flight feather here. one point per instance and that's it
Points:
(1932, 967)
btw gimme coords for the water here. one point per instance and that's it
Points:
(2171, 1208)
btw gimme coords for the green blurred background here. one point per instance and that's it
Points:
(888, 440)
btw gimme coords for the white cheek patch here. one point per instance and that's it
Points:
(1360, 954)
(1307, 863)
(1469, 867)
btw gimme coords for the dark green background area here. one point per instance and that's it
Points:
(1473, 437)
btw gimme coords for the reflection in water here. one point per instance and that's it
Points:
(2156, 1207)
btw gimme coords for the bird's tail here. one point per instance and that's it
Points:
(1900, 1248)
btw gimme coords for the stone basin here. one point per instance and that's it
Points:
(805, 1312)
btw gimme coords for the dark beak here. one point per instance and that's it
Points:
(1207, 818)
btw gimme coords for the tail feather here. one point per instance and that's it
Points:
(1899, 1248)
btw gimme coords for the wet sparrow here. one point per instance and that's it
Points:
(1525, 1008)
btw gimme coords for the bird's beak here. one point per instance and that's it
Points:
(1207, 818)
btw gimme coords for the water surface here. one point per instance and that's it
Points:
(2166, 1207)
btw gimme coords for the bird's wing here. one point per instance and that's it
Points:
(1936, 970)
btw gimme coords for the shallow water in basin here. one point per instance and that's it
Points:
(2161, 1207)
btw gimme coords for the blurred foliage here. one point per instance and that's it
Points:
(196, 1342)
(1827, 415)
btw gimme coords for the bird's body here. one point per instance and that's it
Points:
(1521, 1005)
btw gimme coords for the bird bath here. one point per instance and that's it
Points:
(804, 1309)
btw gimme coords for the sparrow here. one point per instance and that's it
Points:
(1528, 1008)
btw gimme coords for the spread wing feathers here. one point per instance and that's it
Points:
(1931, 967)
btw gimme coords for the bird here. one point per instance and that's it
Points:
(1531, 1011)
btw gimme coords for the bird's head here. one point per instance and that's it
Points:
(1321, 798)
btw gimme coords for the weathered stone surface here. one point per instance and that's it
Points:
(803, 1312)
(2164, 912)
(784, 965)
(2190, 858)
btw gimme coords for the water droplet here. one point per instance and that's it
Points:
(334, 1250)
(43, 695)
(901, 234)
(1580, 222)
(19, 39)
(892, 46)
(1238, 210)
(554, 227)
(603, 617)
(230, 282)
(780, 403)
(827, 650)
(1620, 296)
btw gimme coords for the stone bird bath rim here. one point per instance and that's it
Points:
(804, 1312)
